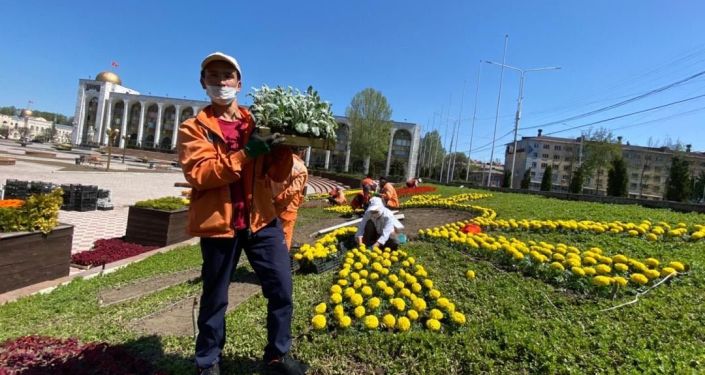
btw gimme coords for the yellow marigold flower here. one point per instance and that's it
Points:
(381, 284)
(336, 298)
(343, 282)
(428, 283)
(358, 284)
(435, 314)
(389, 291)
(557, 266)
(373, 303)
(589, 261)
(458, 318)
(416, 287)
(590, 271)
(399, 285)
(433, 324)
(320, 308)
(393, 278)
(344, 321)
(363, 273)
(601, 280)
(371, 322)
(652, 274)
(389, 320)
(638, 278)
(356, 300)
(619, 258)
(338, 310)
(399, 304)
(412, 314)
(621, 267)
(667, 271)
(318, 322)
(603, 269)
(652, 262)
(349, 292)
(651, 237)
(419, 304)
(517, 256)
(442, 302)
(336, 289)
(367, 291)
(619, 280)
(403, 324)
(678, 266)
(470, 274)
(359, 312)
(374, 276)
(434, 293)
(558, 257)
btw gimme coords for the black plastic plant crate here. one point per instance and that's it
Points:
(40, 187)
(102, 193)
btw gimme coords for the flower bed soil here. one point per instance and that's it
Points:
(142, 287)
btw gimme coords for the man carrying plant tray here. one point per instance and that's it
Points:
(231, 171)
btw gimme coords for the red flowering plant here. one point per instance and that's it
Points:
(403, 192)
(108, 251)
(34, 355)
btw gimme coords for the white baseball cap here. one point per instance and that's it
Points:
(219, 56)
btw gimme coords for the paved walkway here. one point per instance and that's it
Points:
(125, 187)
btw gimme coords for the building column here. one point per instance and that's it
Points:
(158, 128)
(413, 153)
(327, 162)
(100, 117)
(347, 152)
(103, 139)
(123, 128)
(389, 153)
(175, 133)
(78, 119)
(140, 129)
(308, 156)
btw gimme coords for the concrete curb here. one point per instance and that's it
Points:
(48, 286)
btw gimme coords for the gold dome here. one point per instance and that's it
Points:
(26, 113)
(108, 77)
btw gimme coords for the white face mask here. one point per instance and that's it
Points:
(222, 95)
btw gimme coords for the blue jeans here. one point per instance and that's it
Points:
(269, 257)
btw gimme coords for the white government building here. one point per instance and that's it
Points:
(151, 122)
(34, 127)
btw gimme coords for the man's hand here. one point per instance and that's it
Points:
(359, 241)
(258, 145)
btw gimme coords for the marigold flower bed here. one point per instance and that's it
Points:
(107, 251)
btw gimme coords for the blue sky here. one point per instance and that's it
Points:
(424, 57)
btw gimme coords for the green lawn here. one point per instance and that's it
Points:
(515, 324)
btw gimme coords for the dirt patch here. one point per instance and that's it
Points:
(177, 319)
(144, 287)
(424, 218)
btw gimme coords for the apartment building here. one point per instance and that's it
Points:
(647, 167)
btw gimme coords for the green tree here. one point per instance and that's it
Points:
(547, 179)
(460, 161)
(577, 181)
(9, 111)
(601, 148)
(617, 178)
(370, 115)
(507, 179)
(526, 180)
(433, 154)
(699, 188)
(677, 185)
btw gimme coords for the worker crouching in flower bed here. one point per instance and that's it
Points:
(336, 197)
(388, 193)
(379, 227)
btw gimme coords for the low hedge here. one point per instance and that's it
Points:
(40, 212)
(164, 203)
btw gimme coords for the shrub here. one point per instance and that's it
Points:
(39, 212)
(546, 180)
(164, 203)
(48, 355)
(108, 251)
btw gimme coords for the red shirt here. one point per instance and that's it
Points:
(234, 133)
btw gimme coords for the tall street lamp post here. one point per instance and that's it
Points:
(519, 100)
(112, 134)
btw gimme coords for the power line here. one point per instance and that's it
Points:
(619, 104)
(628, 114)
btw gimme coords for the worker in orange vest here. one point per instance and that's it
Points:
(388, 193)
